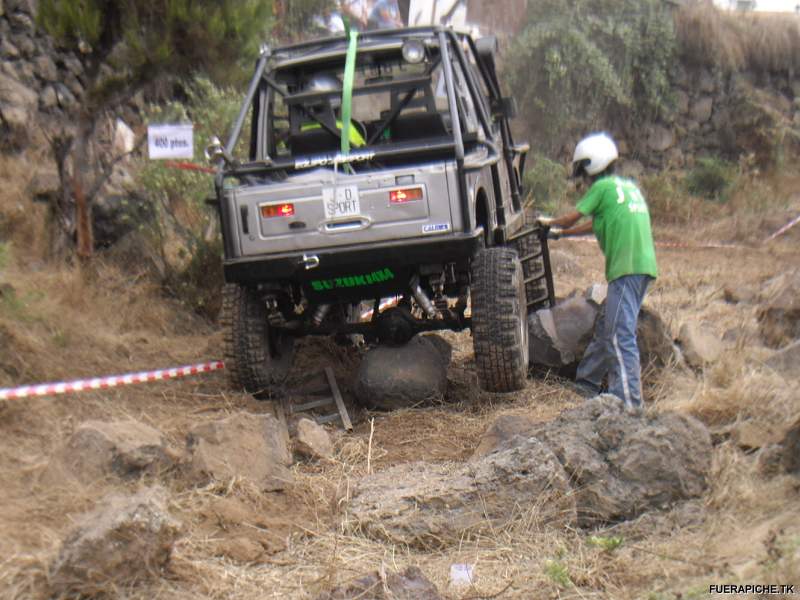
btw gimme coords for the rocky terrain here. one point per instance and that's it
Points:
(188, 489)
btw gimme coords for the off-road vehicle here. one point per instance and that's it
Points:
(381, 167)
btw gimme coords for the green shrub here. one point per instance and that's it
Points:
(711, 178)
(179, 197)
(547, 182)
(578, 64)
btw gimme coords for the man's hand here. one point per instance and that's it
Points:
(555, 233)
(545, 221)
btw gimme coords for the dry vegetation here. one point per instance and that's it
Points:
(733, 41)
(62, 321)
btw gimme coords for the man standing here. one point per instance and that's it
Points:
(621, 222)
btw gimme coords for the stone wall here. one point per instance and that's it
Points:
(753, 115)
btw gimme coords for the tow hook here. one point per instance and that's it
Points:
(310, 261)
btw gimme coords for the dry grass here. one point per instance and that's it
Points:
(712, 37)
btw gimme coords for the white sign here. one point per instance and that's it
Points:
(170, 141)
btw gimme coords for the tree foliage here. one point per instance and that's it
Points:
(126, 46)
(588, 64)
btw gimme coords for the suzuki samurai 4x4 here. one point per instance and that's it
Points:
(381, 165)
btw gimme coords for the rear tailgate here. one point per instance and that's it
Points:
(323, 209)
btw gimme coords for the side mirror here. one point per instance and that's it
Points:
(215, 152)
(505, 107)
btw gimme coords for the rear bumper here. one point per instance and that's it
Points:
(406, 253)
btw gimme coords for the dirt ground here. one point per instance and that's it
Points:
(240, 543)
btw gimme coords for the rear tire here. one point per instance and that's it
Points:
(257, 357)
(499, 320)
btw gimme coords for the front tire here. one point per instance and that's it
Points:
(499, 320)
(257, 357)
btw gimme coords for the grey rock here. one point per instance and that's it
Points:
(433, 505)
(660, 138)
(631, 168)
(73, 65)
(8, 50)
(620, 463)
(46, 68)
(702, 108)
(790, 459)
(779, 313)
(18, 103)
(243, 445)
(26, 46)
(558, 336)
(312, 440)
(682, 102)
(787, 360)
(125, 540)
(656, 348)
(410, 584)
(45, 184)
(48, 98)
(500, 433)
(66, 99)
(20, 20)
(442, 346)
(700, 346)
(596, 294)
(126, 449)
(28, 7)
(74, 84)
(392, 377)
(706, 82)
(675, 157)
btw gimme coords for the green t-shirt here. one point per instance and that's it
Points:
(621, 223)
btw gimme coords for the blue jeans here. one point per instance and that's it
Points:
(613, 349)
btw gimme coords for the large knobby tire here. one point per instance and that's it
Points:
(257, 358)
(499, 320)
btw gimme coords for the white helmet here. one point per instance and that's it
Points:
(594, 153)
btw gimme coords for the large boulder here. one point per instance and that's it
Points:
(125, 540)
(18, 105)
(656, 348)
(410, 584)
(700, 346)
(779, 313)
(558, 336)
(428, 505)
(787, 360)
(621, 464)
(125, 449)
(392, 377)
(243, 445)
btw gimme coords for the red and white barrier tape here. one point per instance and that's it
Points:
(188, 166)
(783, 229)
(101, 383)
(683, 245)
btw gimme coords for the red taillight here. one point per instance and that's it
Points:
(277, 210)
(407, 195)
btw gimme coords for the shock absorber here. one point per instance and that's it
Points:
(320, 313)
(422, 298)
